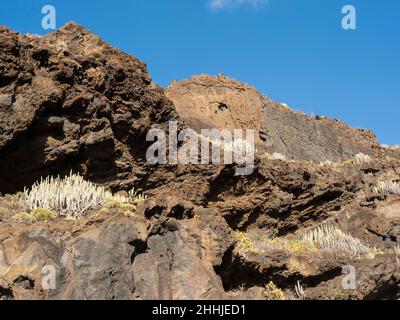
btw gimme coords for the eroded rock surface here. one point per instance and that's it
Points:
(207, 102)
(70, 101)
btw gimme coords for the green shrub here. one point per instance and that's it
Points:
(24, 217)
(36, 215)
(387, 187)
(43, 214)
(272, 292)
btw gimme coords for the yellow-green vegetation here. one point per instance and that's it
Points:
(72, 196)
(348, 162)
(244, 243)
(359, 158)
(42, 215)
(127, 203)
(326, 238)
(276, 156)
(328, 163)
(135, 197)
(24, 217)
(337, 294)
(332, 239)
(116, 202)
(289, 245)
(272, 292)
(296, 246)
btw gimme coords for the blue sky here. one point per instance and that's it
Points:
(295, 51)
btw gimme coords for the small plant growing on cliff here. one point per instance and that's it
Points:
(295, 246)
(387, 187)
(272, 292)
(338, 294)
(118, 202)
(331, 238)
(275, 156)
(41, 215)
(299, 291)
(71, 196)
(361, 158)
(136, 197)
(128, 203)
(12, 204)
(24, 217)
(395, 147)
(244, 243)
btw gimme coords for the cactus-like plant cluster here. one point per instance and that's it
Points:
(361, 158)
(387, 187)
(236, 146)
(331, 238)
(71, 196)
(326, 237)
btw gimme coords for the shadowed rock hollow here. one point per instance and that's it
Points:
(70, 101)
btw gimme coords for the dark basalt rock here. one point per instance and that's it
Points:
(70, 101)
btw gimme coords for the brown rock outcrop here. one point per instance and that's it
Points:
(70, 101)
(206, 102)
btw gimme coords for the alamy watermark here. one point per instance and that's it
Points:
(49, 19)
(349, 282)
(349, 21)
(212, 146)
(49, 274)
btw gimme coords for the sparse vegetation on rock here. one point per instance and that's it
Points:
(328, 199)
(272, 292)
(331, 238)
(387, 187)
(71, 196)
(361, 158)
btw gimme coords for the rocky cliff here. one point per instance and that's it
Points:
(70, 101)
(220, 102)
(290, 230)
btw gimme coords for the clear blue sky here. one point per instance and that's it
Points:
(295, 51)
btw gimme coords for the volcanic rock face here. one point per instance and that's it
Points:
(70, 101)
(207, 102)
